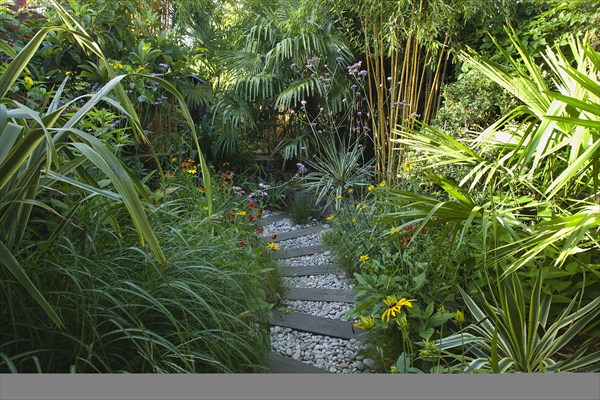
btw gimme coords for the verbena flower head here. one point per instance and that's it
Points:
(301, 168)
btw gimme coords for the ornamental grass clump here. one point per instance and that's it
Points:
(124, 313)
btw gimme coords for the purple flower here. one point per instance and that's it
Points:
(263, 186)
(313, 60)
(163, 65)
(293, 65)
(362, 72)
(303, 102)
(158, 75)
(338, 58)
(301, 168)
(353, 69)
(389, 78)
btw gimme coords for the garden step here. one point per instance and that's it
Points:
(272, 218)
(279, 364)
(317, 294)
(317, 325)
(306, 270)
(299, 252)
(294, 234)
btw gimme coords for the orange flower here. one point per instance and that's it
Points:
(201, 189)
(225, 175)
(259, 213)
(219, 187)
(259, 229)
(170, 174)
(250, 218)
(250, 205)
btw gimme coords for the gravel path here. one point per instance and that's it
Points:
(332, 354)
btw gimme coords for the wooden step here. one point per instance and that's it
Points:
(298, 252)
(279, 364)
(317, 325)
(294, 234)
(317, 294)
(306, 270)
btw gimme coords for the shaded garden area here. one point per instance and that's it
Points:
(452, 146)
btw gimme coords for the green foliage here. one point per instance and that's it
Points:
(338, 167)
(542, 181)
(300, 209)
(471, 103)
(123, 312)
(523, 335)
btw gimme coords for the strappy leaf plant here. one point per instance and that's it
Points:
(513, 333)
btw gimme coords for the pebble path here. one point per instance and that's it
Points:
(331, 354)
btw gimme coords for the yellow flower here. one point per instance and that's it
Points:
(174, 158)
(353, 219)
(117, 65)
(394, 306)
(371, 188)
(28, 82)
(338, 197)
(273, 246)
(394, 230)
(408, 167)
(350, 190)
(69, 73)
(459, 316)
(140, 69)
(330, 218)
(382, 183)
(205, 208)
(441, 309)
(366, 322)
(192, 170)
(242, 213)
(364, 258)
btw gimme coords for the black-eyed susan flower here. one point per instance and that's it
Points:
(382, 183)
(242, 213)
(338, 197)
(364, 258)
(370, 188)
(366, 322)
(394, 306)
(330, 218)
